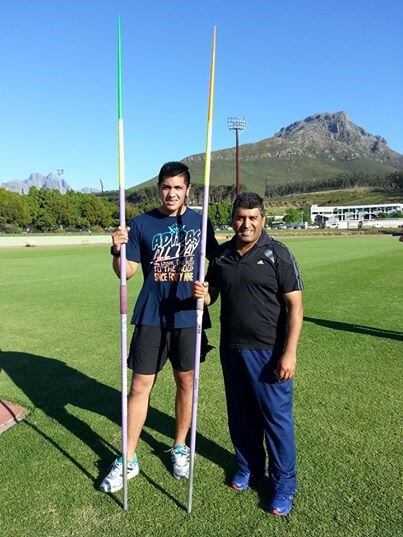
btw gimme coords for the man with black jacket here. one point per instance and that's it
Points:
(261, 319)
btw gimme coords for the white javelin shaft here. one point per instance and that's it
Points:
(200, 303)
(123, 286)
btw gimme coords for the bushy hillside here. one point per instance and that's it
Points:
(316, 148)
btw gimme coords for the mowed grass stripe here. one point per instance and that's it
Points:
(60, 358)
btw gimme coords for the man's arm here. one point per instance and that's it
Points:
(204, 291)
(295, 314)
(121, 236)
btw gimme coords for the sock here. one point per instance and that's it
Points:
(130, 463)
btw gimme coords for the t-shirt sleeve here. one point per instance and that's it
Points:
(211, 241)
(133, 246)
(288, 272)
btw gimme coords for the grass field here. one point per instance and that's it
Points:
(59, 357)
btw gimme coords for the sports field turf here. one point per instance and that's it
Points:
(59, 357)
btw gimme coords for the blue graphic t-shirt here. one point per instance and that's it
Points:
(168, 248)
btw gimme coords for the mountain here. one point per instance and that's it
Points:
(51, 182)
(318, 147)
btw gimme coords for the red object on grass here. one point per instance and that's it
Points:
(10, 414)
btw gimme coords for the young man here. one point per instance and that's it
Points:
(166, 241)
(261, 320)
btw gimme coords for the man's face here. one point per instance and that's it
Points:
(248, 225)
(172, 193)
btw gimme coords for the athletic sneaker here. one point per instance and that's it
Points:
(180, 455)
(114, 480)
(281, 504)
(241, 480)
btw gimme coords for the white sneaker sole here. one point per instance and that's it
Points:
(181, 474)
(114, 488)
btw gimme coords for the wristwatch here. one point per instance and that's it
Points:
(115, 254)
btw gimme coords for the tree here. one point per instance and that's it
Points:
(292, 215)
(306, 214)
(224, 210)
(13, 209)
(131, 211)
(97, 211)
(212, 214)
(46, 220)
(66, 212)
(33, 199)
(220, 213)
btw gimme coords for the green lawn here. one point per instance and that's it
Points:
(59, 357)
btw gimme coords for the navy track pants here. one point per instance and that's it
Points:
(260, 411)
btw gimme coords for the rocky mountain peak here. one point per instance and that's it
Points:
(333, 127)
(51, 181)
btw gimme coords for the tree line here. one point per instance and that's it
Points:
(48, 210)
(392, 182)
(145, 198)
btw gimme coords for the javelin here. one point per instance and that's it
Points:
(123, 287)
(200, 301)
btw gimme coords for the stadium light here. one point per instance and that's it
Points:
(237, 124)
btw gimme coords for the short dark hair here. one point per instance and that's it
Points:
(170, 169)
(248, 200)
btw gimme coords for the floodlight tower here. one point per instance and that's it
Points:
(59, 172)
(237, 124)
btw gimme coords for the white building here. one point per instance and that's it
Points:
(341, 213)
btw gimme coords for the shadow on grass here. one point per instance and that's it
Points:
(52, 385)
(359, 329)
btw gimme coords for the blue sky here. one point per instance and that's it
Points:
(277, 62)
